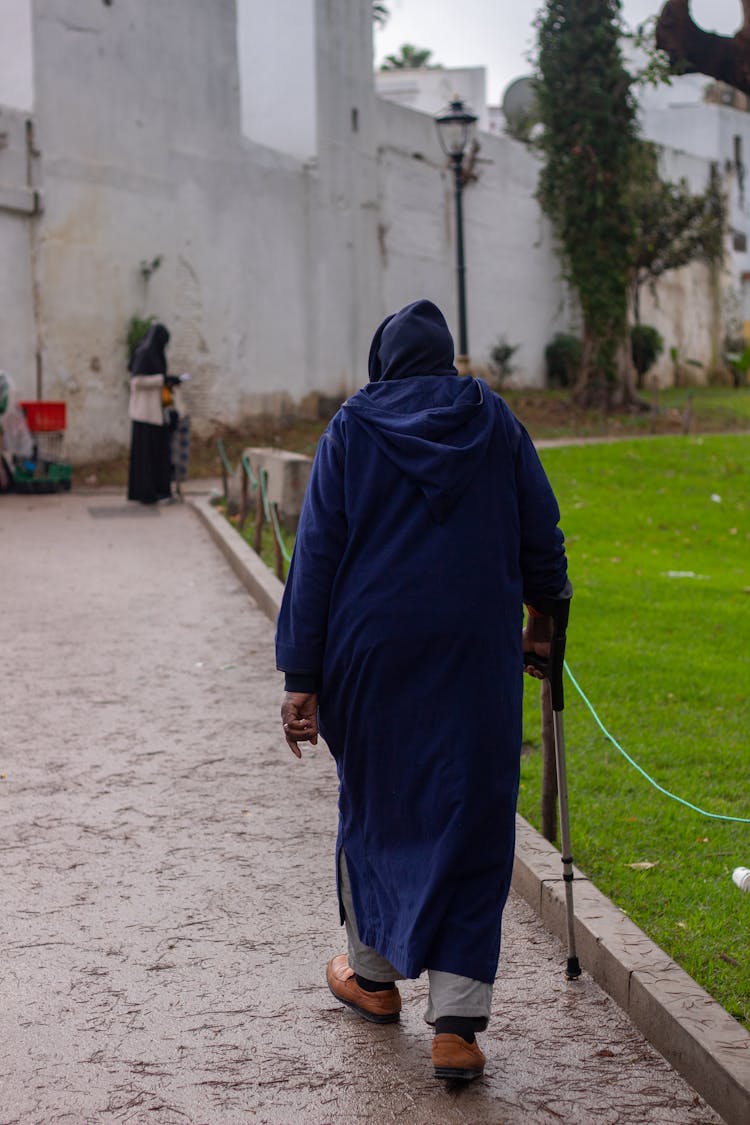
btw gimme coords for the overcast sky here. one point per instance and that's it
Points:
(497, 34)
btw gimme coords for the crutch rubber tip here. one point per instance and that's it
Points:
(573, 969)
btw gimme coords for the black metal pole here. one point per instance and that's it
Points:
(458, 174)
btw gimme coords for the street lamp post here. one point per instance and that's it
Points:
(455, 126)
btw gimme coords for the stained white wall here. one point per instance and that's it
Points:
(513, 284)
(686, 307)
(17, 203)
(430, 90)
(276, 49)
(678, 117)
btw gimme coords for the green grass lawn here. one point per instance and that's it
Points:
(658, 536)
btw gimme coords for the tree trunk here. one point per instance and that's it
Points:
(628, 378)
(580, 387)
(692, 50)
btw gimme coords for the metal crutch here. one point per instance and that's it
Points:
(558, 608)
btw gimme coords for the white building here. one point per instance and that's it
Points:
(711, 122)
(431, 89)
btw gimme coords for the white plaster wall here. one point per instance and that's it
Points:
(430, 90)
(276, 48)
(160, 168)
(16, 71)
(687, 307)
(17, 353)
(270, 279)
(681, 309)
(513, 283)
(680, 120)
(344, 263)
(17, 331)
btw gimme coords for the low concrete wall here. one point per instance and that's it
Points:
(287, 475)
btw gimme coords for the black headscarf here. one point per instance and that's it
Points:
(414, 341)
(150, 357)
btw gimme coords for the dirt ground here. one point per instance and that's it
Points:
(167, 871)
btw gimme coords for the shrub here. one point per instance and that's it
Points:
(737, 358)
(563, 359)
(500, 356)
(646, 345)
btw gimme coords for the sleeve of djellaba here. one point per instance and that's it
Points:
(321, 539)
(544, 566)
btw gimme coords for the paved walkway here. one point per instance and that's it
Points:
(167, 874)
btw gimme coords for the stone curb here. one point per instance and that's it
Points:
(252, 572)
(695, 1034)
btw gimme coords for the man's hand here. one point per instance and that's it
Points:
(299, 716)
(536, 638)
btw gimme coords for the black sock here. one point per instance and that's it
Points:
(373, 985)
(456, 1025)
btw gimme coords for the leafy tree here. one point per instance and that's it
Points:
(408, 58)
(589, 136)
(673, 226)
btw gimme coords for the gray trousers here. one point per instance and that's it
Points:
(450, 995)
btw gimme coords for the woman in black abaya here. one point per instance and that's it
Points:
(149, 475)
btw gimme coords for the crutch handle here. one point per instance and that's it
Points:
(558, 608)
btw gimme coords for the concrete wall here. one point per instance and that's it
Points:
(430, 90)
(277, 68)
(679, 118)
(18, 201)
(344, 285)
(16, 71)
(269, 274)
(686, 306)
(155, 165)
(513, 278)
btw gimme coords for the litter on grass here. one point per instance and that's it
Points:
(687, 574)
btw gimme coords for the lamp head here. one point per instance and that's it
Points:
(454, 127)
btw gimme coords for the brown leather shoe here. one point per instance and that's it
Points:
(453, 1057)
(378, 1007)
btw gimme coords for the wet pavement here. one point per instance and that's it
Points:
(168, 878)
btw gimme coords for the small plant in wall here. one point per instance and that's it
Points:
(148, 268)
(139, 323)
(500, 359)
